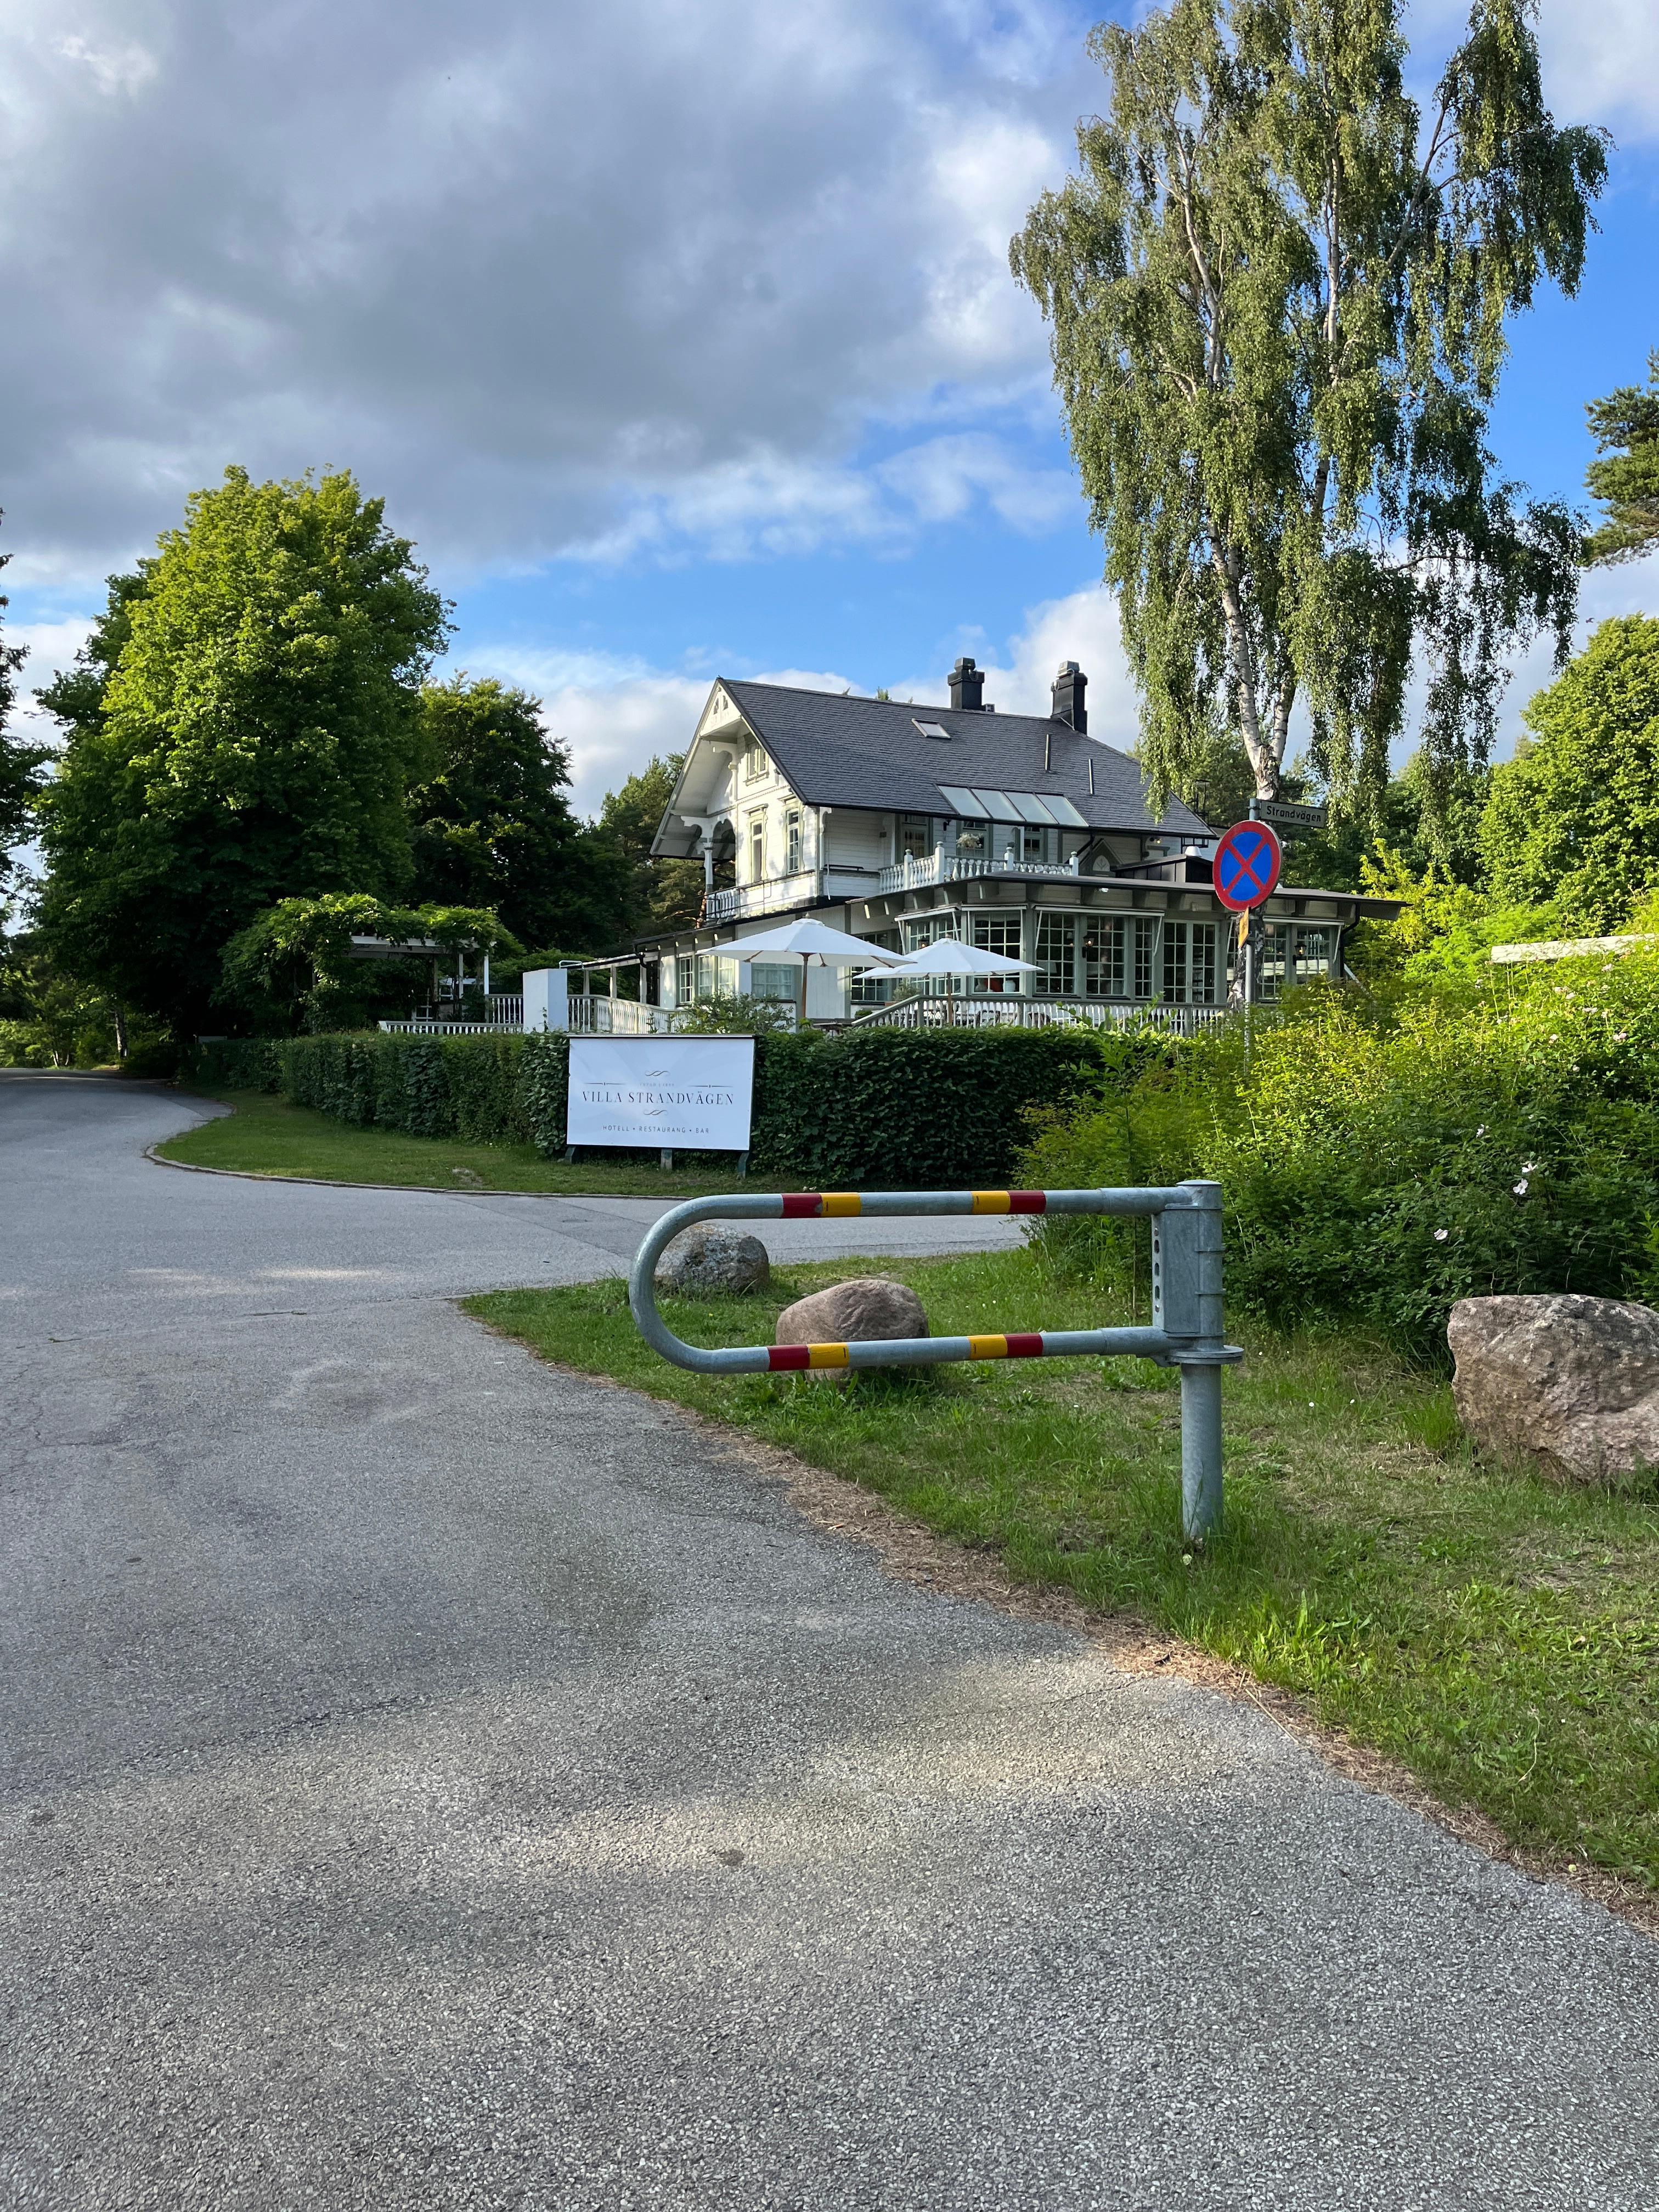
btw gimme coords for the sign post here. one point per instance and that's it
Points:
(1247, 862)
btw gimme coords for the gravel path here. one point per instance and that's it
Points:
(431, 1781)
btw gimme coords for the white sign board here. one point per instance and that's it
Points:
(662, 1091)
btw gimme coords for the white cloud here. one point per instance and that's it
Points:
(553, 279)
(124, 67)
(1020, 672)
(1600, 62)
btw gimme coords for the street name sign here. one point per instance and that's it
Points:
(1289, 813)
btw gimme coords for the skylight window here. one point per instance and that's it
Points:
(936, 729)
(1045, 808)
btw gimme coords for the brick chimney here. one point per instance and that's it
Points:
(967, 687)
(1070, 685)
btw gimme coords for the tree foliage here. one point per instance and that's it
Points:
(1277, 305)
(660, 895)
(20, 763)
(1625, 426)
(1574, 817)
(1426, 822)
(292, 968)
(492, 826)
(243, 726)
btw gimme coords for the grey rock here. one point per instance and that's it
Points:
(870, 1307)
(713, 1257)
(1572, 1383)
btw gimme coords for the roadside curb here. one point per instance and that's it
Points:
(421, 1189)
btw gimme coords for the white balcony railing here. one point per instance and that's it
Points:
(918, 872)
(773, 895)
(595, 1017)
(1017, 1010)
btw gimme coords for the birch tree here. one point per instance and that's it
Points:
(1278, 295)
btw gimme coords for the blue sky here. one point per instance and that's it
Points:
(680, 338)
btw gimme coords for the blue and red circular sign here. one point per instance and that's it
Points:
(1247, 865)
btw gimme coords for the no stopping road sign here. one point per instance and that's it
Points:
(1247, 865)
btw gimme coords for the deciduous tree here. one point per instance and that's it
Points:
(1278, 300)
(243, 726)
(1574, 818)
(661, 894)
(493, 825)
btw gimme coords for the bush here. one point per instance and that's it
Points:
(1381, 1159)
(235, 1064)
(882, 1109)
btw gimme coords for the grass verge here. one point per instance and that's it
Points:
(270, 1136)
(1496, 1635)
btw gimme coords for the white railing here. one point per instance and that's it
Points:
(743, 900)
(418, 1027)
(918, 872)
(1018, 1010)
(501, 1009)
(592, 1017)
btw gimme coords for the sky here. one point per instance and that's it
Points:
(678, 334)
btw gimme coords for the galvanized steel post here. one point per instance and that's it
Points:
(1187, 1248)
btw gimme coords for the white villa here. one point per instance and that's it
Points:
(902, 823)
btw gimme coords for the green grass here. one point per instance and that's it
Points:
(270, 1136)
(1497, 1635)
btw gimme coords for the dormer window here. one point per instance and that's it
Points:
(755, 763)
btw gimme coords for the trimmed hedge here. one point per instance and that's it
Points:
(874, 1109)
(911, 1109)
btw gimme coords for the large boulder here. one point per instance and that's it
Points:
(870, 1308)
(1572, 1383)
(713, 1257)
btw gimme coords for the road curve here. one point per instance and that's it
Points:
(431, 1781)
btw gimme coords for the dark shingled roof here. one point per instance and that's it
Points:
(838, 750)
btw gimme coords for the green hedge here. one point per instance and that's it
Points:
(911, 1109)
(880, 1109)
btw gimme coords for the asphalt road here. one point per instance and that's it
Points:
(433, 1782)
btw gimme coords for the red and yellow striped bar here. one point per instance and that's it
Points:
(821, 1205)
(780, 1359)
(1010, 1201)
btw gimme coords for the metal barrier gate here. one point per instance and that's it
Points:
(1186, 1331)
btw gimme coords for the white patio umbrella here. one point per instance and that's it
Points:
(949, 957)
(812, 940)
